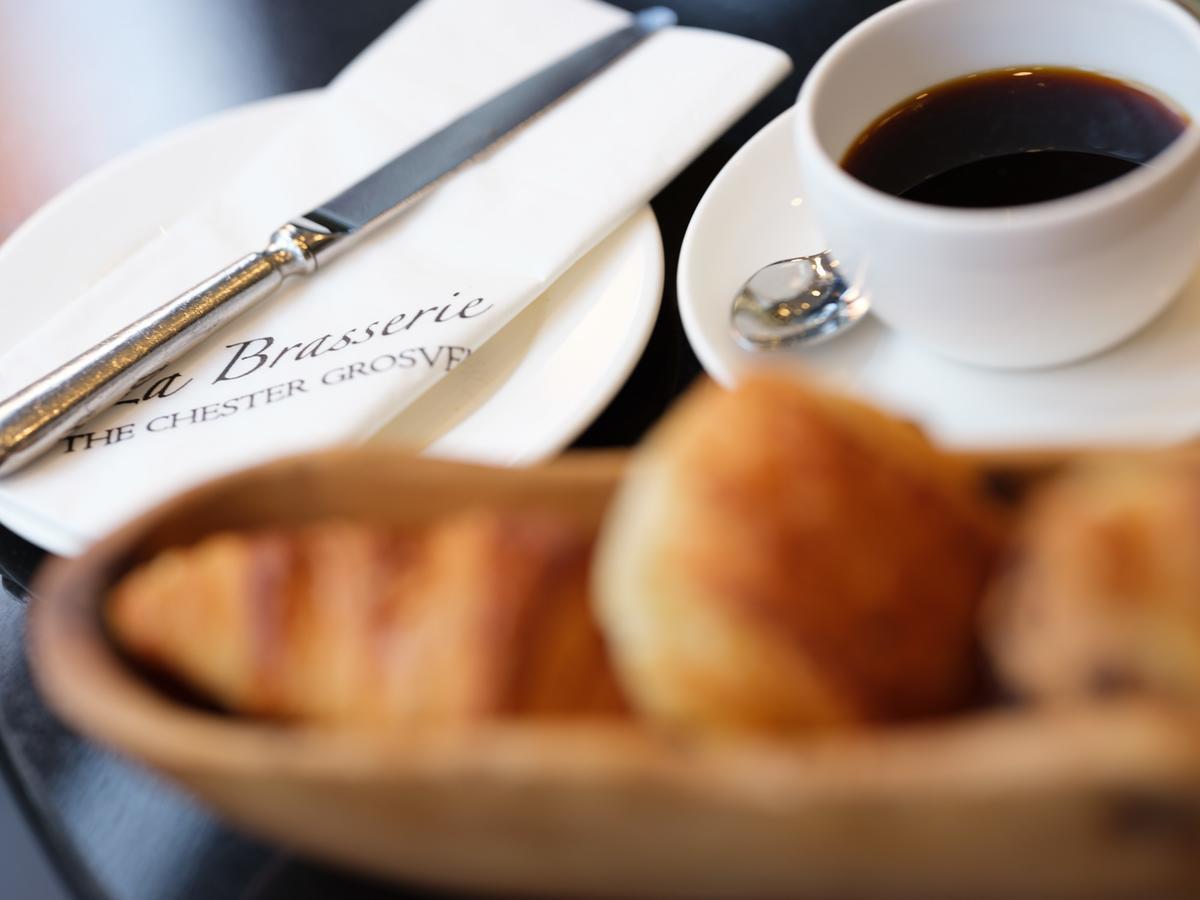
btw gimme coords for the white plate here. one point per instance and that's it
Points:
(523, 396)
(1144, 391)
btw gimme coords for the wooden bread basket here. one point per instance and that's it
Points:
(1017, 803)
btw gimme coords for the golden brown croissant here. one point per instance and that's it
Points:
(485, 614)
(1105, 593)
(781, 558)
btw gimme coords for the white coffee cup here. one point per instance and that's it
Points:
(1021, 286)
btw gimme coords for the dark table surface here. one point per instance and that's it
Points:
(81, 82)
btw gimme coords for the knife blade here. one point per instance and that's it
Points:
(36, 417)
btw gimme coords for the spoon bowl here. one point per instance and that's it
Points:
(793, 302)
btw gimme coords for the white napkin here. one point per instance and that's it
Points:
(331, 358)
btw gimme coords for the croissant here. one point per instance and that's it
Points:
(782, 558)
(484, 614)
(1104, 594)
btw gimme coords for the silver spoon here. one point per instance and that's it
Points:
(795, 301)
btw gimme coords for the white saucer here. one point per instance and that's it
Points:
(522, 397)
(1146, 391)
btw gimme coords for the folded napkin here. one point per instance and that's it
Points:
(331, 358)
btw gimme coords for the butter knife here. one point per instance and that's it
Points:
(36, 417)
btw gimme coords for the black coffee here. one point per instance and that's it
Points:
(1012, 136)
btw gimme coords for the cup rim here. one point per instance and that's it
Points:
(1044, 214)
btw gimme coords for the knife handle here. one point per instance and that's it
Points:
(37, 416)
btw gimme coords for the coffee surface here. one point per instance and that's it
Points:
(1008, 137)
